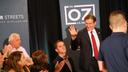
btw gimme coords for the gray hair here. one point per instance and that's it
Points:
(12, 35)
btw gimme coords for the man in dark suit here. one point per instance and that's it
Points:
(88, 39)
(62, 63)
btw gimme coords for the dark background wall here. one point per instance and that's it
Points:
(45, 25)
(107, 6)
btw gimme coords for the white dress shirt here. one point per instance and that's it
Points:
(96, 38)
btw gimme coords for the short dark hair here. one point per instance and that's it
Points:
(6, 42)
(90, 16)
(1, 52)
(40, 60)
(55, 45)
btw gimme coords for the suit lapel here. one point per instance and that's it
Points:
(88, 41)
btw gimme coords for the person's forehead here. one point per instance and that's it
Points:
(89, 19)
(60, 43)
(16, 37)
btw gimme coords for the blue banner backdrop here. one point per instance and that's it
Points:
(73, 12)
(14, 18)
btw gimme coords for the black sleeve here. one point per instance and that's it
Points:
(75, 43)
(100, 57)
(72, 64)
(126, 48)
(58, 59)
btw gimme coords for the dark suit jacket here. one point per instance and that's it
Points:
(65, 67)
(83, 41)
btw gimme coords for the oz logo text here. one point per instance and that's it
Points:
(75, 14)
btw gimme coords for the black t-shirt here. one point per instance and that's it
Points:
(114, 52)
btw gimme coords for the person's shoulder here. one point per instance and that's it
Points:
(58, 58)
(97, 29)
(107, 39)
(126, 35)
(21, 47)
(83, 30)
(55, 60)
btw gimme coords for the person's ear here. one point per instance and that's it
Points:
(126, 24)
(95, 22)
(110, 27)
(56, 50)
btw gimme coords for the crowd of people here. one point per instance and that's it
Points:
(14, 58)
(109, 55)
